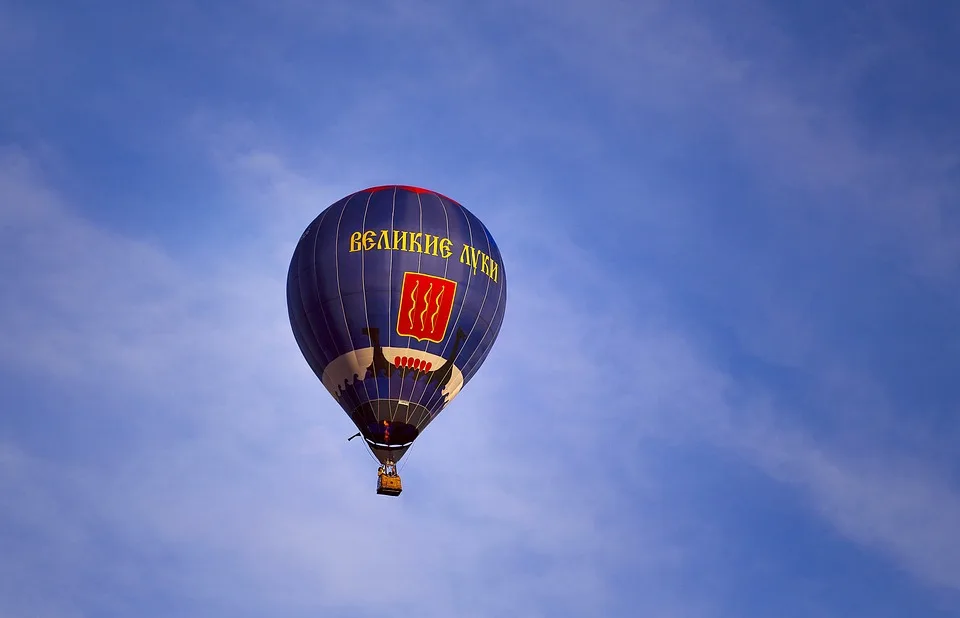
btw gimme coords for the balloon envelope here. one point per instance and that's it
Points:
(396, 295)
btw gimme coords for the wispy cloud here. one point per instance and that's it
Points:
(226, 468)
(243, 479)
(894, 502)
(790, 112)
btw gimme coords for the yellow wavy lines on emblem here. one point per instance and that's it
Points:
(433, 319)
(413, 297)
(426, 305)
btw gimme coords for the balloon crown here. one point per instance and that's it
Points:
(411, 188)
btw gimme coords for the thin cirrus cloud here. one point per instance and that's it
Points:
(214, 461)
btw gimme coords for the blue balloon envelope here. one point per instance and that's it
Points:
(396, 295)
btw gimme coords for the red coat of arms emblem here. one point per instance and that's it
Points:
(426, 303)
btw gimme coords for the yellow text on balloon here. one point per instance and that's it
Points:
(428, 244)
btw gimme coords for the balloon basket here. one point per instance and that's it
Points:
(388, 482)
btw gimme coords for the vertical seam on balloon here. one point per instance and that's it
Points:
(388, 325)
(300, 255)
(313, 263)
(503, 284)
(363, 289)
(315, 358)
(479, 311)
(463, 302)
(336, 262)
(466, 289)
(316, 240)
(446, 268)
(419, 267)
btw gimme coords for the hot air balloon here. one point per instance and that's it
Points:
(396, 295)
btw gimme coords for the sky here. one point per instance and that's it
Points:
(725, 382)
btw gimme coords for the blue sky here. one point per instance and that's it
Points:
(732, 242)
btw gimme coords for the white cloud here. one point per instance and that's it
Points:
(239, 468)
(895, 501)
